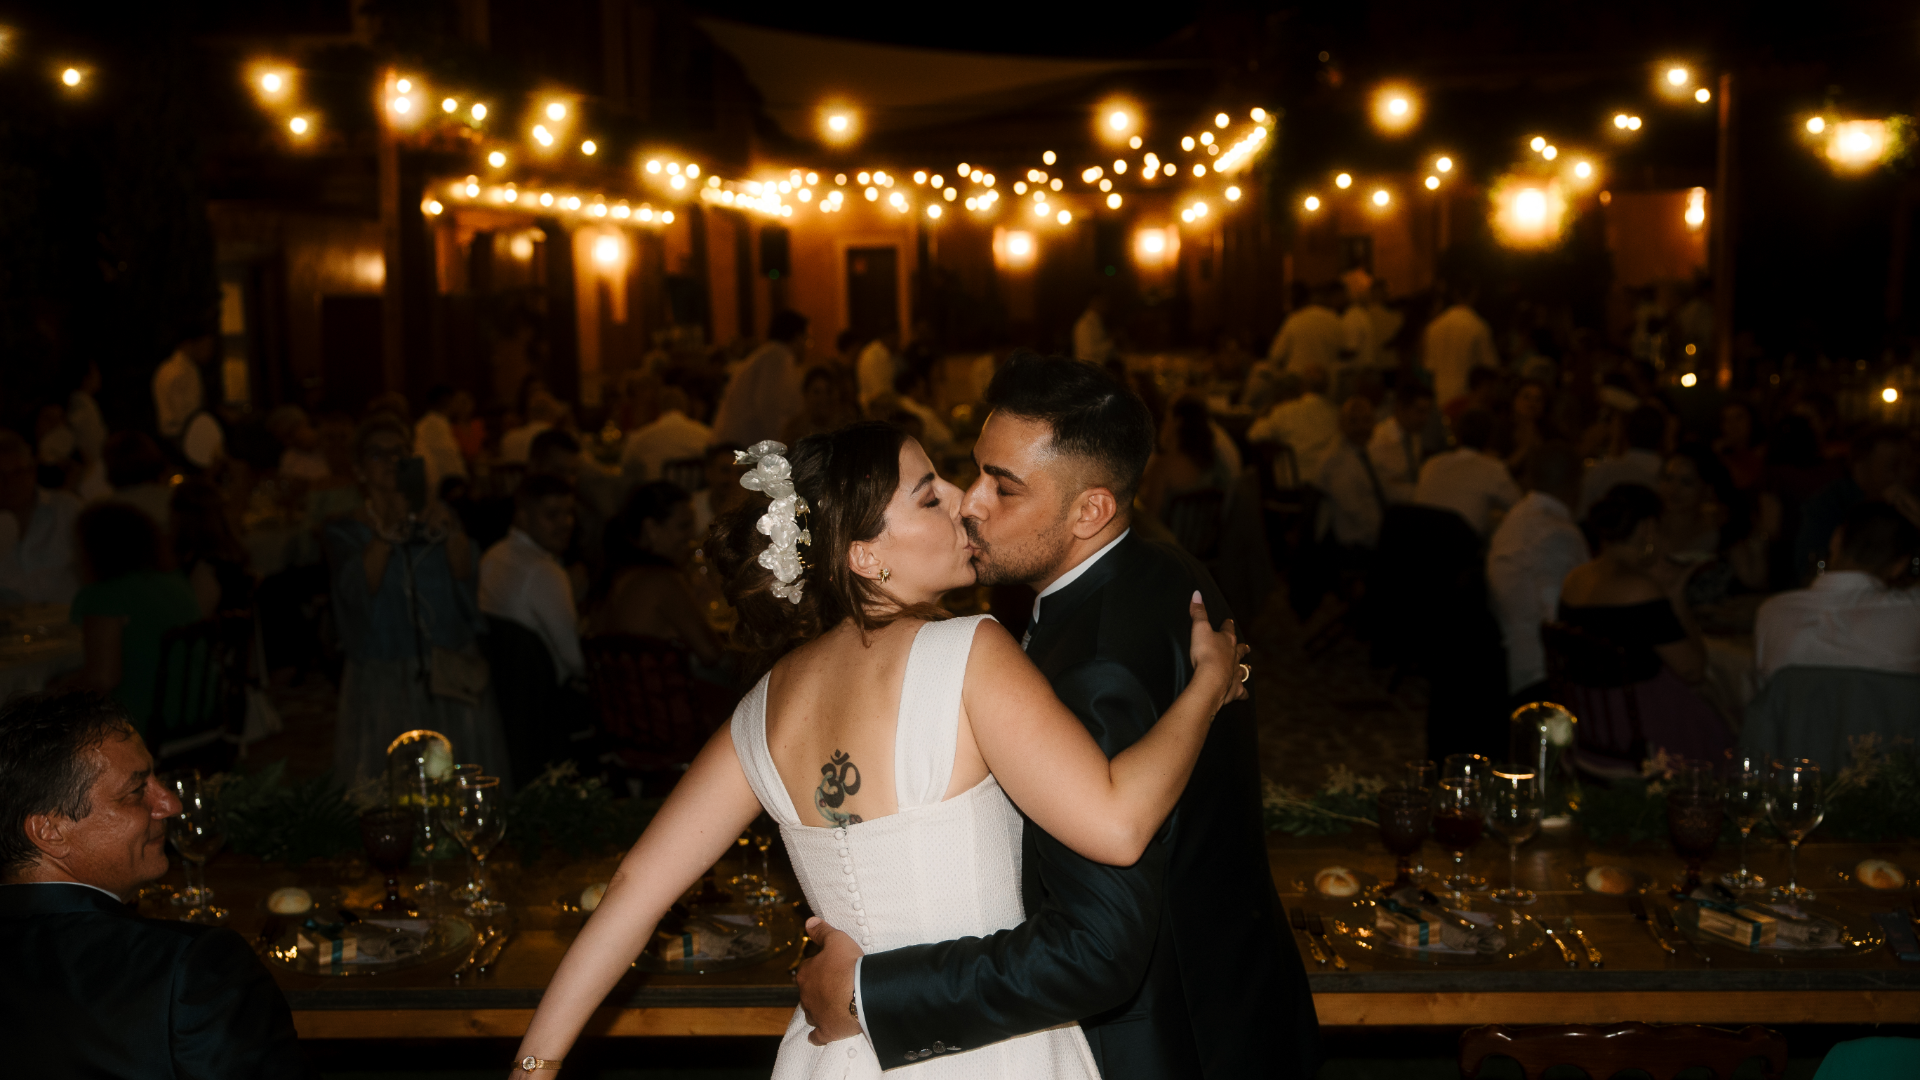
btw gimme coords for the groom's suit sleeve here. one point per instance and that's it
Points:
(1083, 951)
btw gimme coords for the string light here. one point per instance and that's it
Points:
(298, 125)
(1312, 203)
(1703, 95)
(1343, 181)
(1221, 120)
(1113, 201)
(1381, 198)
(589, 148)
(448, 105)
(1433, 183)
(478, 112)
(497, 159)
(556, 111)
(405, 86)
(1444, 164)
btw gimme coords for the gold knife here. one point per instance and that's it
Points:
(473, 955)
(1593, 952)
(1566, 951)
(492, 955)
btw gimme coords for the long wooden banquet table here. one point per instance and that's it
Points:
(1637, 982)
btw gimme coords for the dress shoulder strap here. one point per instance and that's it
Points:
(749, 730)
(929, 724)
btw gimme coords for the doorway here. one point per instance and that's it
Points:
(873, 291)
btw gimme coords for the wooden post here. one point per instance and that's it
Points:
(392, 323)
(1722, 238)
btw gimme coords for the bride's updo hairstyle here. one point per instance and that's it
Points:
(848, 477)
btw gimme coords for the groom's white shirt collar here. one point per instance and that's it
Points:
(1073, 575)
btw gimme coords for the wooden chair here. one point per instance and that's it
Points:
(1594, 677)
(200, 693)
(541, 717)
(1663, 1052)
(651, 713)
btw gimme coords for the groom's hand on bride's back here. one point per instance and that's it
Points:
(826, 985)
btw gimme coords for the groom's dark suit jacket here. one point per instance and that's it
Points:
(89, 989)
(1177, 966)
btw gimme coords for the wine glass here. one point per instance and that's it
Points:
(444, 812)
(1421, 776)
(1513, 811)
(1797, 804)
(763, 840)
(745, 881)
(388, 834)
(198, 835)
(479, 822)
(1458, 819)
(1406, 816)
(1473, 768)
(1745, 791)
(1695, 816)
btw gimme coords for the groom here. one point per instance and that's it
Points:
(1177, 966)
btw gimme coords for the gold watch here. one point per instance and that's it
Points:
(534, 1064)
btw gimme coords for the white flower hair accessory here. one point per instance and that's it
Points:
(772, 476)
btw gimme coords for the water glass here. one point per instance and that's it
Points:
(1459, 817)
(479, 822)
(1796, 804)
(1406, 817)
(198, 835)
(443, 812)
(1421, 776)
(1513, 812)
(1744, 791)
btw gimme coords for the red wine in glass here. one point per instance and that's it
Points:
(388, 836)
(1458, 830)
(1694, 821)
(1405, 819)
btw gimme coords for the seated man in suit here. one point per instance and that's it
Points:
(92, 988)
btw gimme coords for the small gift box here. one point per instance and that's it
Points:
(1744, 925)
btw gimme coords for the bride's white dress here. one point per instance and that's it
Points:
(934, 871)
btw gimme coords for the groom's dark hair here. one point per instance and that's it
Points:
(1093, 415)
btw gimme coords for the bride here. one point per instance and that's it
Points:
(886, 741)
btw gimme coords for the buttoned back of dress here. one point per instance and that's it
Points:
(933, 871)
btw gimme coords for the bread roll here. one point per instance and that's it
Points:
(1336, 881)
(1880, 874)
(590, 896)
(1610, 880)
(290, 901)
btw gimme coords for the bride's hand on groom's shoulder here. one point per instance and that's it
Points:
(1216, 654)
(826, 985)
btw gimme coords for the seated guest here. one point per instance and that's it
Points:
(1863, 612)
(1708, 521)
(1739, 445)
(138, 473)
(301, 456)
(646, 543)
(1304, 420)
(723, 491)
(671, 436)
(1467, 480)
(1356, 501)
(92, 989)
(130, 600)
(1644, 432)
(1188, 458)
(1614, 599)
(1525, 427)
(36, 531)
(1536, 546)
(912, 389)
(206, 551)
(544, 411)
(522, 579)
(1879, 464)
(1396, 448)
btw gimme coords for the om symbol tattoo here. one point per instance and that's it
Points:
(839, 778)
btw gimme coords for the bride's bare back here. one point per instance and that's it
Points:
(833, 707)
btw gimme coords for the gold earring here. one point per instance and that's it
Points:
(885, 574)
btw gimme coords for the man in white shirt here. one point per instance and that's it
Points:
(1397, 447)
(1386, 324)
(1457, 341)
(1307, 422)
(521, 578)
(673, 435)
(177, 393)
(1536, 546)
(765, 393)
(36, 532)
(1090, 340)
(1850, 616)
(874, 371)
(1355, 503)
(1312, 336)
(1646, 435)
(1467, 480)
(433, 438)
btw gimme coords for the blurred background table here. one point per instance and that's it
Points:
(1638, 982)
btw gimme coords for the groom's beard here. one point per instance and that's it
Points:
(1021, 562)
